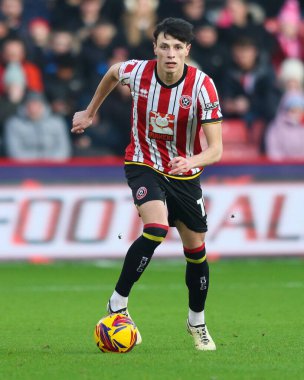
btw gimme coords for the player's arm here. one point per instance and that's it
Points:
(83, 119)
(212, 154)
(214, 151)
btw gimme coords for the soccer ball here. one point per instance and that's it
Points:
(115, 333)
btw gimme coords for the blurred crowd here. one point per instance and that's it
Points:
(54, 53)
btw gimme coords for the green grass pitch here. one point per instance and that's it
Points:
(255, 313)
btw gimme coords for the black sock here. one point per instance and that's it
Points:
(197, 277)
(139, 256)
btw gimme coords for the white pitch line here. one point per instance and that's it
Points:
(140, 287)
(81, 288)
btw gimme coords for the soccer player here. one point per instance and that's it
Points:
(164, 160)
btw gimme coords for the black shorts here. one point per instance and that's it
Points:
(183, 198)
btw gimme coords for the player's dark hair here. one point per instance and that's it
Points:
(176, 27)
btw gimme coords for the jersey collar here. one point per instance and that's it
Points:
(174, 84)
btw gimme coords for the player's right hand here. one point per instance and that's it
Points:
(81, 121)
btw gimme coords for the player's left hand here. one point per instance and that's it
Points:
(179, 165)
(81, 121)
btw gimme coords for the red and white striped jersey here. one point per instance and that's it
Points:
(166, 120)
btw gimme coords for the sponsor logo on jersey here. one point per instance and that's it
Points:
(185, 101)
(211, 106)
(161, 126)
(141, 193)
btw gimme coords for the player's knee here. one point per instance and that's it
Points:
(195, 255)
(155, 232)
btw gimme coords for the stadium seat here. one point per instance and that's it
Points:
(240, 152)
(234, 131)
(240, 144)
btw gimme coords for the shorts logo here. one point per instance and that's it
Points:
(141, 193)
(185, 101)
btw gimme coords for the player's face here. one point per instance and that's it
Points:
(171, 54)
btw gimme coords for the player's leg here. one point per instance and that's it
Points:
(197, 280)
(154, 217)
(197, 271)
(187, 212)
(149, 198)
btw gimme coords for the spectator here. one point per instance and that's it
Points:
(38, 40)
(109, 133)
(116, 111)
(194, 11)
(208, 52)
(289, 79)
(35, 133)
(96, 142)
(288, 31)
(285, 135)
(63, 86)
(291, 75)
(62, 72)
(237, 19)
(12, 10)
(14, 86)
(14, 52)
(248, 88)
(102, 45)
(63, 10)
(5, 32)
(113, 10)
(139, 22)
(89, 13)
(62, 44)
(14, 82)
(69, 13)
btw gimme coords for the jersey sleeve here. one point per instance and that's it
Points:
(126, 70)
(208, 103)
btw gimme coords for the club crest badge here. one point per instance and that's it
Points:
(141, 193)
(185, 101)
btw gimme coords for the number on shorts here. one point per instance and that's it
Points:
(202, 204)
